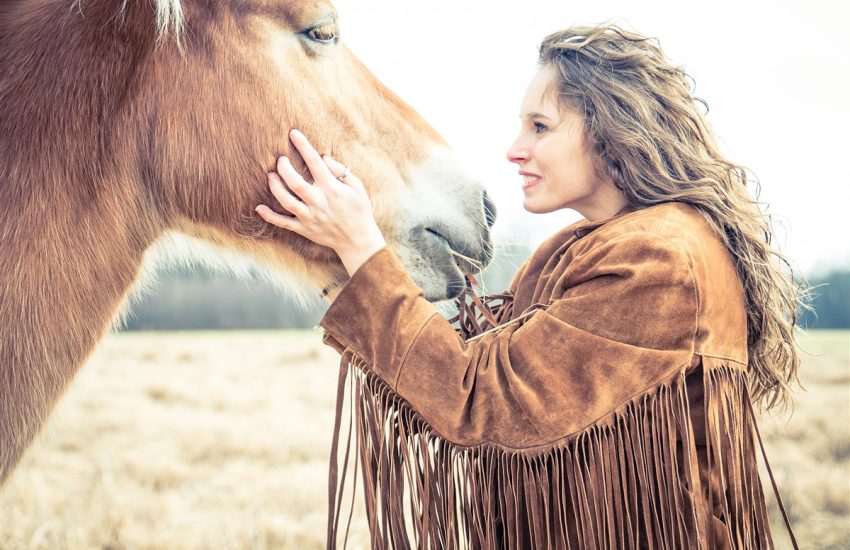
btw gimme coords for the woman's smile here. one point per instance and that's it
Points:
(529, 180)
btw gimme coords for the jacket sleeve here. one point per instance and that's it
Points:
(625, 321)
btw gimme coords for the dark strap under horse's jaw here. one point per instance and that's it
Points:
(332, 286)
(340, 281)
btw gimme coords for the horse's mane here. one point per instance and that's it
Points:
(169, 17)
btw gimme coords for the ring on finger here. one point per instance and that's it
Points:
(345, 173)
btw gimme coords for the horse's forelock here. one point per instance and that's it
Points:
(169, 17)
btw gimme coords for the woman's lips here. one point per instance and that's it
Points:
(530, 181)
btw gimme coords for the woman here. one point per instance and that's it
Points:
(608, 404)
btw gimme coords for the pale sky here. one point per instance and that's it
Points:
(776, 76)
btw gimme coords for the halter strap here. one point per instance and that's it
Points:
(332, 286)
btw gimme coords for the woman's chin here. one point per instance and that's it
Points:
(533, 206)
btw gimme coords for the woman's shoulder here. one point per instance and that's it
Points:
(673, 240)
(667, 225)
(669, 219)
(670, 237)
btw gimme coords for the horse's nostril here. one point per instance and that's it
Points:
(489, 210)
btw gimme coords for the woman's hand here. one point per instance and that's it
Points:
(334, 211)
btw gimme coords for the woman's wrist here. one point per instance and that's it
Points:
(355, 255)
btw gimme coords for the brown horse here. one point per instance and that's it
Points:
(121, 122)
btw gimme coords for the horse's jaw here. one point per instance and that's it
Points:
(440, 226)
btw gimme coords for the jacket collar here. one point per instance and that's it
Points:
(585, 227)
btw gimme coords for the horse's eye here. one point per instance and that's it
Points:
(323, 33)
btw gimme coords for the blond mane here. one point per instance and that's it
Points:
(169, 17)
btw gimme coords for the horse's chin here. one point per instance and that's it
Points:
(435, 266)
(447, 283)
(440, 286)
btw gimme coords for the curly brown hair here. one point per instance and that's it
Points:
(649, 135)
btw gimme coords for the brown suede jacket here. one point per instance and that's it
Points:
(652, 287)
(632, 304)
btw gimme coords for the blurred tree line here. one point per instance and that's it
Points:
(196, 298)
(831, 300)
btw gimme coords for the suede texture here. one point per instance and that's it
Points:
(630, 300)
(624, 305)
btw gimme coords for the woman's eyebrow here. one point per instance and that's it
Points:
(535, 115)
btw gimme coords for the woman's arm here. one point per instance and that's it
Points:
(625, 322)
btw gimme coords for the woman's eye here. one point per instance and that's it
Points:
(324, 33)
(539, 127)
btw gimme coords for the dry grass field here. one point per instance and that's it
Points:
(220, 440)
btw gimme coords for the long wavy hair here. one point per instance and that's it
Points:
(649, 134)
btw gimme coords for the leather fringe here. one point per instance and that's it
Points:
(631, 480)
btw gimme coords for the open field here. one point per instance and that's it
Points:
(220, 440)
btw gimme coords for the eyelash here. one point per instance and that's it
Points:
(539, 127)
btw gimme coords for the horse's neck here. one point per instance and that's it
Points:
(65, 269)
(73, 224)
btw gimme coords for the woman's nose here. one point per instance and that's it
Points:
(517, 152)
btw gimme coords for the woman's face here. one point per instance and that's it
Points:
(554, 158)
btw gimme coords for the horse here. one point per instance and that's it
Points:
(124, 122)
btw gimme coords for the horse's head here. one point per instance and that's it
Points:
(216, 111)
(110, 136)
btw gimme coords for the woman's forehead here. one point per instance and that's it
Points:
(541, 95)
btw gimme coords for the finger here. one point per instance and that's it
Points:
(286, 199)
(338, 169)
(293, 179)
(279, 220)
(311, 157)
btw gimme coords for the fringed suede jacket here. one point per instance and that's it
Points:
(608, 407)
